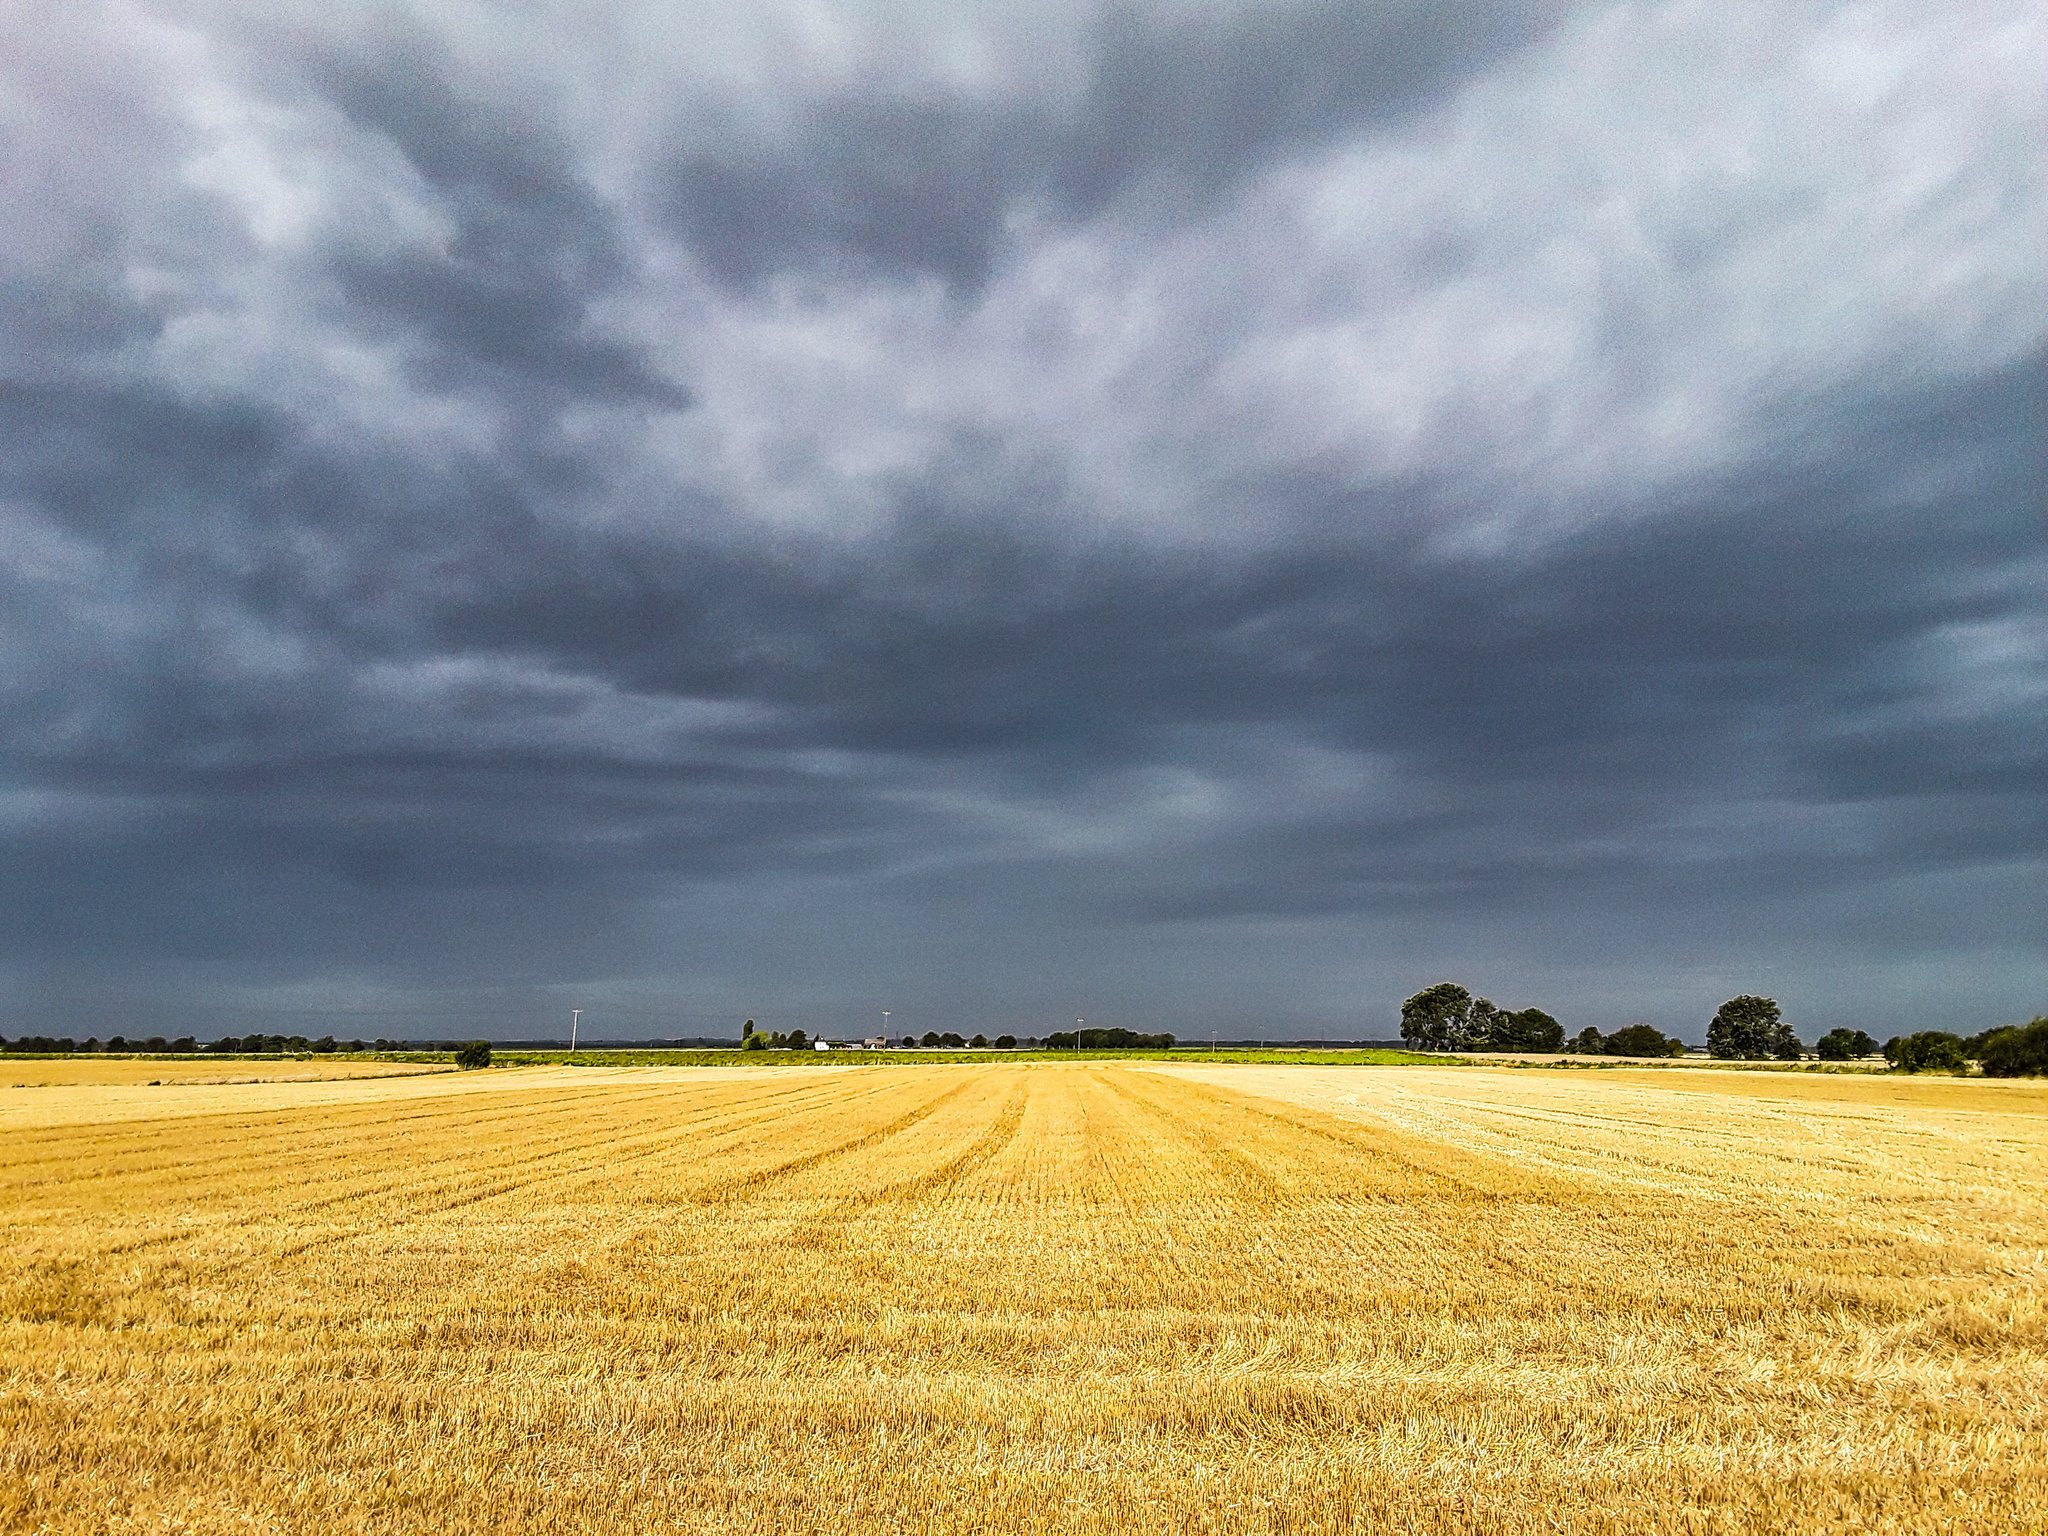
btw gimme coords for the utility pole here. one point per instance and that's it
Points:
(1077, 1035)
(575, 1018)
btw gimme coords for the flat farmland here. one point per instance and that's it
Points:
(156, 1071)
(1101, 1297)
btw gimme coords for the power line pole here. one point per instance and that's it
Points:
(575, 1018)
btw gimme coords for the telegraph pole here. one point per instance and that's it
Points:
(575, 1018)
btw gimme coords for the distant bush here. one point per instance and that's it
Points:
(931, 1038)
(979, 1042)
(753, 1042)
(1006, 1042)
(477, 1053)
(2021, 1051)
(1844, 1045)
(1930, 1050)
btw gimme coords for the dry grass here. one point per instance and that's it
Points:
(1027, 1298)
(102, 1071)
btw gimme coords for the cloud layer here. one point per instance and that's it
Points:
(1213, 516)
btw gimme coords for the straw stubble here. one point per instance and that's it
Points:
(1091, 1297)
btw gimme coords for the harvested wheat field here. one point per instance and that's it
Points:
(1025, 1298)
(75, 1071)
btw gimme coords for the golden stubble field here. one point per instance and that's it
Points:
(1026, 1298)
(200, 1071)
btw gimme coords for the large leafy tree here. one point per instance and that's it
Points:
(1748, 1028)
(1446, 1017)
(1930, 1050)
(2021, 1051)
(1527, 1029)
(1438, 1018)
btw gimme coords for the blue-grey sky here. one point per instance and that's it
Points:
(1203, 516)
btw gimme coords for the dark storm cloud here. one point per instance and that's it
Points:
(1173, 111)
(413, 576)
(533, 247)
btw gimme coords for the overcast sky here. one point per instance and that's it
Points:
(1206, 517)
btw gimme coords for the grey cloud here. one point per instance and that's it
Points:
(295, 695)
(534, 249)
(1174, 111)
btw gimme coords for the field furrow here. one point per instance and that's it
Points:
(1059, 1297)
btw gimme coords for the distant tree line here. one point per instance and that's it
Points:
(1447, 1017)
(2017, 1050)
(1106, 1040)
(752, 1039)
(227, 1045)
(47, 1045)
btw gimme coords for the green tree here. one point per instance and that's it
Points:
(1928, 1050)
(1746, 1028)
(1006, 1042)
(1643, 1040)
(477, 1053)
(1527, 1029)
(747, 1031)
(2021, 1051)
(979, 1041)
(1588, 1042)
(798, 1040)
(753, 1042)
(1844, 1045)
(1482, 1025)
(1438, 1018)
